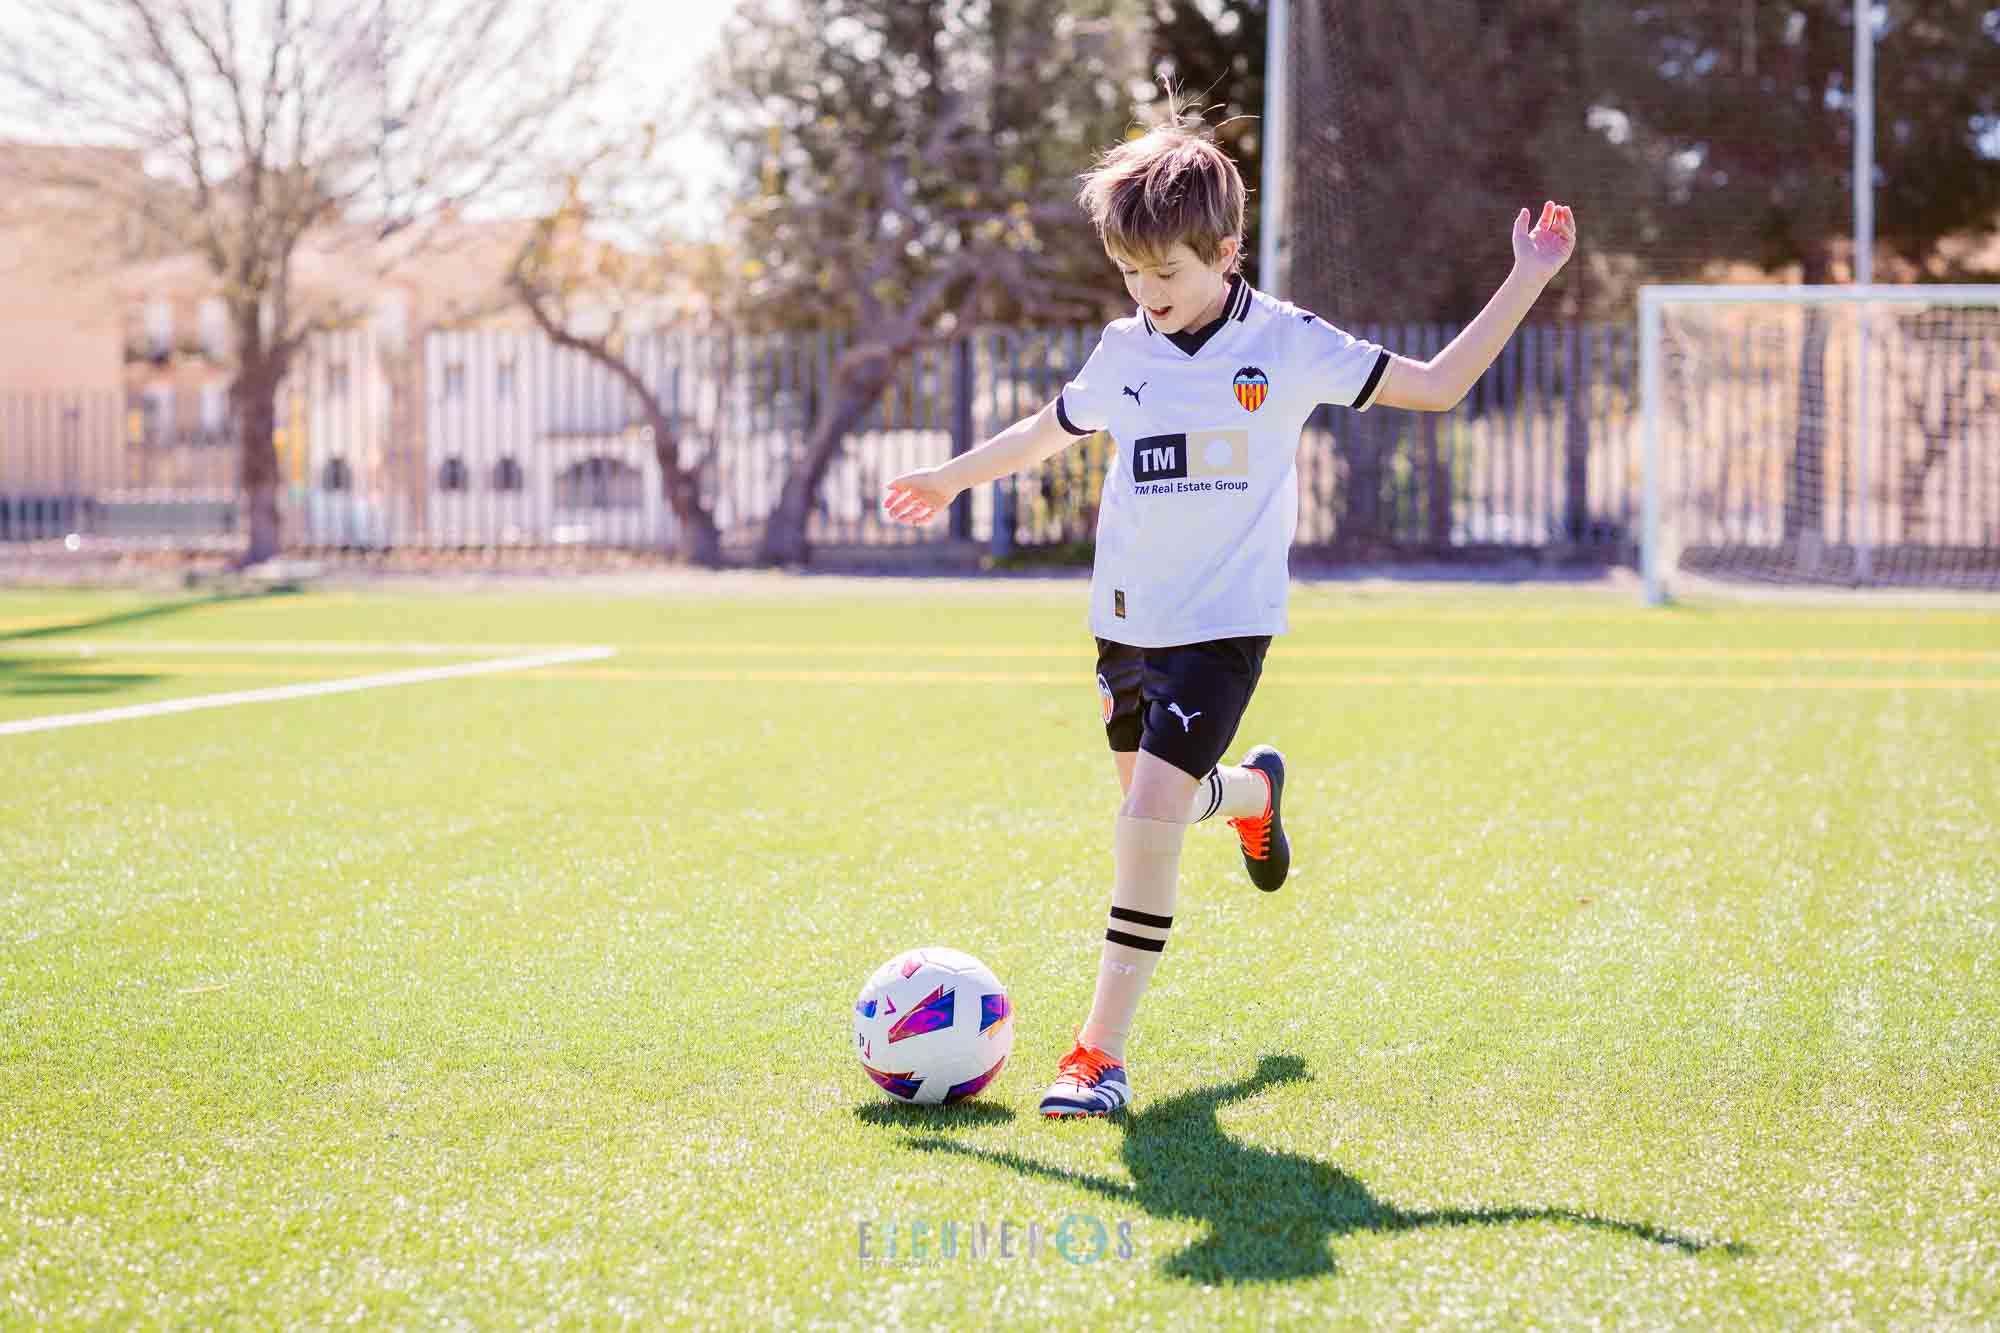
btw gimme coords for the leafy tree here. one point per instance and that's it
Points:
(909, 168)
(1687, 134)
(1742, 115)
(1212, 54)
(1417, 132)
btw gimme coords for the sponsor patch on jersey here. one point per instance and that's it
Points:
(1195, 453)
(1252, 385)
(1159, 458)
(1218, 453)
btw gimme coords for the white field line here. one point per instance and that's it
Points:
(381, 680)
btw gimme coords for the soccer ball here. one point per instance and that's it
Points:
(933, 1025)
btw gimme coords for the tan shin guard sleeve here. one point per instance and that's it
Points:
(1147, 855)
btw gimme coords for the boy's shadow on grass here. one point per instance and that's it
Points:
(1270, 1215)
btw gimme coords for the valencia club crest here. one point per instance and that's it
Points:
(1251, 386)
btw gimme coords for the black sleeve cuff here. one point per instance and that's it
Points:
(1068, 425)
(1367, 394)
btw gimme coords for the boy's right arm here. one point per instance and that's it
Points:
(917, 497)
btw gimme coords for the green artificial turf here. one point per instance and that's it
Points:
(1636, 966)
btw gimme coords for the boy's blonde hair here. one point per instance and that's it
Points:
(1169, 185)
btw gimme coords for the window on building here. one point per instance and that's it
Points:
(159, 326)
(454, 379)
(214, 408)
(452, 475)
(157, 412)
(336, 379)
(507, 475)
(600, 483)
(336, 475)
(214, 320)
(503, 380)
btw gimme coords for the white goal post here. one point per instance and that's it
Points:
(1828, 435)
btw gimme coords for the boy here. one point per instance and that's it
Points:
(1205, 389)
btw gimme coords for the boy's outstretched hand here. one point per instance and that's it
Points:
(1548, 247)
(915, 497)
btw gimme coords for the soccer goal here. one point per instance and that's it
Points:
(1832, 436)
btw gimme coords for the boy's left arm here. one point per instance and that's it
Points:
(1437, 385)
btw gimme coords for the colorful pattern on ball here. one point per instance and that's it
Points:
(972, 1086)
(936, 1011)
(896, 1085)
(993, 1009)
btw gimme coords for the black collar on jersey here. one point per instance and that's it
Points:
(1236, 305)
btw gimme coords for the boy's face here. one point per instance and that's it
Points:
(1177, 289)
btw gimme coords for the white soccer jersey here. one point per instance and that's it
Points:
(1202, 498)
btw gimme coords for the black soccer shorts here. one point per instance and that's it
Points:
(1181, 704)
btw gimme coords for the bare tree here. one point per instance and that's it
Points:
(604, 273)
(282, 119)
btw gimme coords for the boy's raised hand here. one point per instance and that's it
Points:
(915, 498)
(1548, 247)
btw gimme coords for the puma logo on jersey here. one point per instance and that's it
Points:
(1136, 392)
(1187, 719)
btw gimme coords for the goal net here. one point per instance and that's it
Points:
(1834, 436)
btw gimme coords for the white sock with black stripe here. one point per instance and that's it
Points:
(1232, 792)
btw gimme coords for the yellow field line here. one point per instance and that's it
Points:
(1303, 611)
(1652, 682)
(1349, 652)
(1776, 614)
(1080, 678)
(38, 622)
(1082, 681)
(1072, 652)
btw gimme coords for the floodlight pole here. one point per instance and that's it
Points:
(1275, 140)
(1864, 261)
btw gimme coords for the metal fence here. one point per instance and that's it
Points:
(491, 439)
